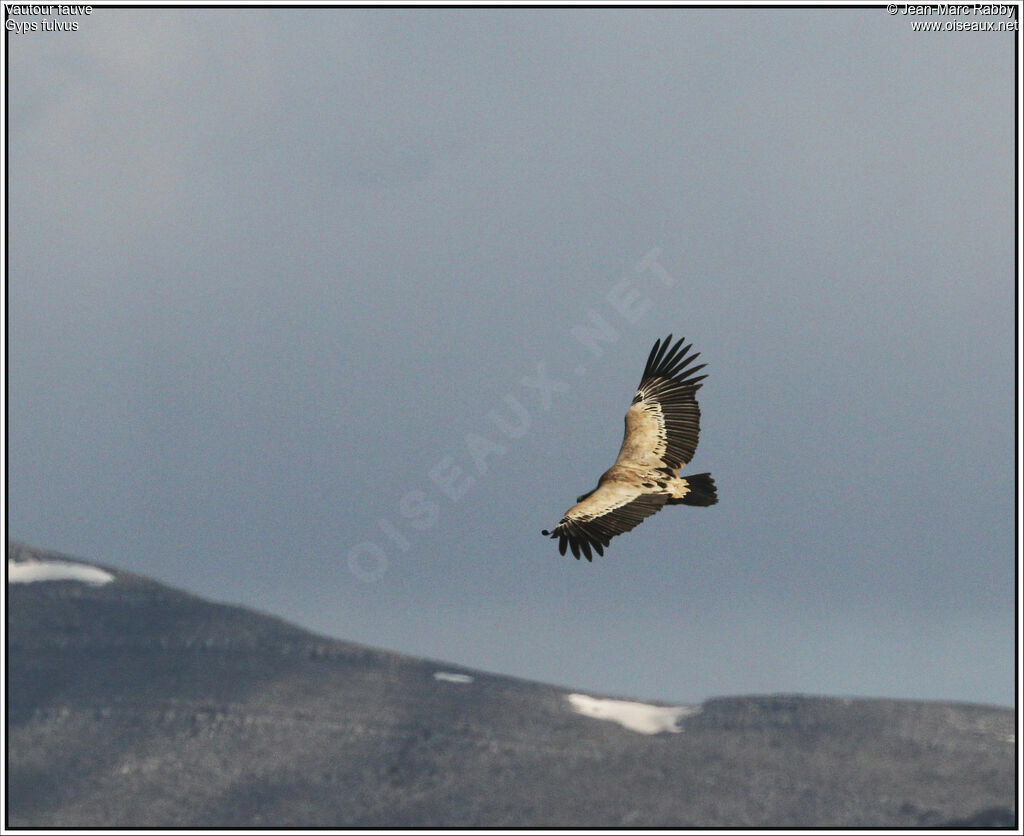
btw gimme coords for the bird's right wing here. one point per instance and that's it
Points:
(663, 422)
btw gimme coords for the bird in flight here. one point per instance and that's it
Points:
(662, 426)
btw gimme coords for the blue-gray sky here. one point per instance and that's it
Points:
(302, 305)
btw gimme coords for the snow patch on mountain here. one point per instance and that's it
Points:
(30, 571)
(635, 716)
(444, 676)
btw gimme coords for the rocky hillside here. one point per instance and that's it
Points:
(133, 704)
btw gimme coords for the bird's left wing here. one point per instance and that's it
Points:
(613, 508)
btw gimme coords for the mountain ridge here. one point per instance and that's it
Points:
(131, 703)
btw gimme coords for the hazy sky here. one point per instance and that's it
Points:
(329, 312)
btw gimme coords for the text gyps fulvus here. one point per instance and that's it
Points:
(662, 426)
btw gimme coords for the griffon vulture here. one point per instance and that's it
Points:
(662, 425)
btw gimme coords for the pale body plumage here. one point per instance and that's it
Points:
(661, 433)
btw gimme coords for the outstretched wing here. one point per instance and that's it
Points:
(662, 429)
(663, 422)
(613, 508)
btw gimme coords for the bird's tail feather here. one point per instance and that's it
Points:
(697, 489)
